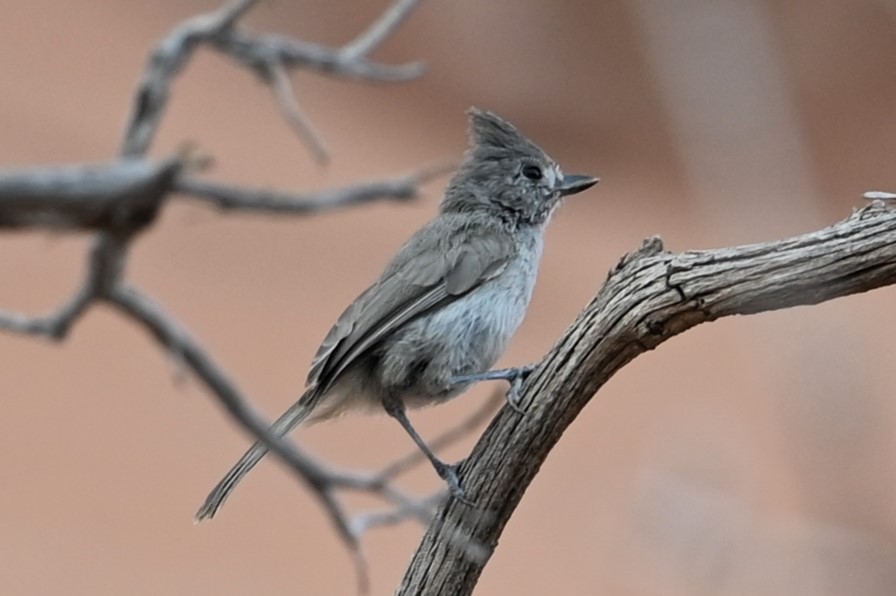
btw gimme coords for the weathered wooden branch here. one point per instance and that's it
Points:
(651, 296)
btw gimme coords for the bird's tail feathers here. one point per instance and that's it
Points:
(294, 416)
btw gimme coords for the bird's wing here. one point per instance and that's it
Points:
(407, 289)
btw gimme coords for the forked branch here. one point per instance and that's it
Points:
(118, 199)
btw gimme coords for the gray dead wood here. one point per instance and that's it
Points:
(651, 296)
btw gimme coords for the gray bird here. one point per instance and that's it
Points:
(446, 306)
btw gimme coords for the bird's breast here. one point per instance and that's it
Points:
(465, 336)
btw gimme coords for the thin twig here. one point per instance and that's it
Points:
(268, 55)
(363, 522)
(292, 112)
(171, 335)
(57, 325)
(382, 28)
(258, 51)
(229, 196)
(165, 62)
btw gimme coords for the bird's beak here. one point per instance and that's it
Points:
(574, 183)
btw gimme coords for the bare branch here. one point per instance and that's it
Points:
(175, 338)
(289, 107)
(267, 54)
(379, 30)
(120, 198)
(258, 51)
(323, 482)
(226, 196)
(651, 296)
(120, 195)
(166, 61)
(124, 196)
(390, 517)
(56, 325)
(104, 270)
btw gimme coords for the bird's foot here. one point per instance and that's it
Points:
(515, 376)
(448, 473)
(516, 383)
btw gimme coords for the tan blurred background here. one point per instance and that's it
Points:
(750, 456)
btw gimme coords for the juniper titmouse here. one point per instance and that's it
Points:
(444, 309)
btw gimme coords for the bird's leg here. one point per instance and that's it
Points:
(447, 472)
(514, 376)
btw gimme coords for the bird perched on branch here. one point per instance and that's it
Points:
(445, 307)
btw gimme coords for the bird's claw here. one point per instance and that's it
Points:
(448, 473)
(513, 395)
(516, 384)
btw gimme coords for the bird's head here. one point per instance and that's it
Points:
(505, 172)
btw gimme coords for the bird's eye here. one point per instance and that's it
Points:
(532, 172)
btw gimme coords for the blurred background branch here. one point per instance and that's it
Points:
(119, 199)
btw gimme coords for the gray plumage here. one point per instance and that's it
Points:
(445, 307)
